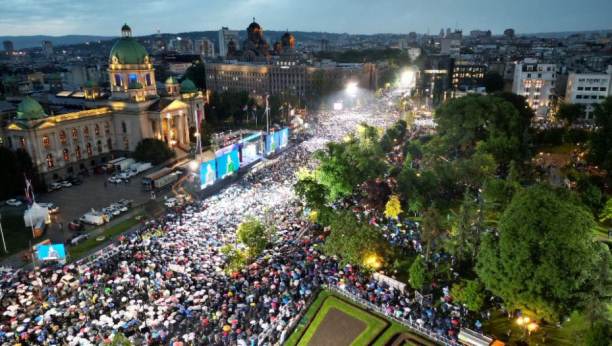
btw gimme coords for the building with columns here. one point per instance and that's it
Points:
(64, 145)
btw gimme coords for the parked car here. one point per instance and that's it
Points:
(70, 281)
(66, 183)
(53, 209)
(115, 180)
(80, 238)
(76, 225)
(111, 210)
(75, 181)
(126, 202)
(172, 202)
(98, 170)
(13, 202)
(119, 207)
(56, 186)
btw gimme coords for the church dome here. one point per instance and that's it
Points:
(91, 83)
(135, 85)
(188, 87)
(29, 109)
(127, 50)
(254, 26)
(287, 35)
(171, 80)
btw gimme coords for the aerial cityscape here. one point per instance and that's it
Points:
(256, 172)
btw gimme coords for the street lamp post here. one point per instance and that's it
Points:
(2, 233)
(527, 327)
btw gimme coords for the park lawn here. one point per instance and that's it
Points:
(77, 251)
(498, 326)
(16, 235)
(293, 338)
(374, 325)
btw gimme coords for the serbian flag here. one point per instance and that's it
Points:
(267, 104)
(27, 196)
(199, 122)
(254, 108)
(244, 108)
(28, 189)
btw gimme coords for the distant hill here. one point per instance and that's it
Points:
(564, 34)
(21, 42)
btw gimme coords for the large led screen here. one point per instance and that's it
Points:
(283, 137)
(227, 164)
(208, 173)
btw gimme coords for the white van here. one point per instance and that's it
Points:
(93, 218)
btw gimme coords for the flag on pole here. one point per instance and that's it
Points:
(198, 115)
(28, 184)
(290, 106)
(28, 189)
(281, 108)
(267, 104)
(254, 108)
(244, 108)
(28, 199)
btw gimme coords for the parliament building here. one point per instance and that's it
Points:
(64, 145)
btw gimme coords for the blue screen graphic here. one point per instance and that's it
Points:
(51, 252)
(208, 173)
(271, 143)
(227, 163)
(283, 137)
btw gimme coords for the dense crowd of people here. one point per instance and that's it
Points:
(165, 283)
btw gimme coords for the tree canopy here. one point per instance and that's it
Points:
(543, 257)
(600, 152)
(253, 234)
(346, 164)
(152, 150)
(493, 122)
(493, 82)
(355, 241)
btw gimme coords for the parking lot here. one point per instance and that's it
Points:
(77, 200)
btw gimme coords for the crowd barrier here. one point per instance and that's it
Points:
(406, 323)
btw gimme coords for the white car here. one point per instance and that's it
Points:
(111, 211)
(66, 183)
(119, 207)
(172, 202)
(53, 209)
(55, 186)
(115, 180)
(13, 202)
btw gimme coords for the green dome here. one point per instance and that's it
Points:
(135, 85)
(171, 80)
(125, 27)
(10, 80)
(128, 51)
(29, 109)
(91, 83)
(188, 87)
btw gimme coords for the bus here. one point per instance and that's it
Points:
(158, 180)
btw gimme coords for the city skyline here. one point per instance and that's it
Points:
(57, 18)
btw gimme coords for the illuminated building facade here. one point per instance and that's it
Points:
(536, 82)
(64, 145)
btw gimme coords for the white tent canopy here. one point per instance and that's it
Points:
(34, 213)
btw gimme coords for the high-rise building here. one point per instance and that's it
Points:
(448, 31)
(8, 47)
(509, 34)
(181, 45)
(47, 47)
(225, 37)
(205, 48)
(536, 82)
(588, 88)
(451, 43)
